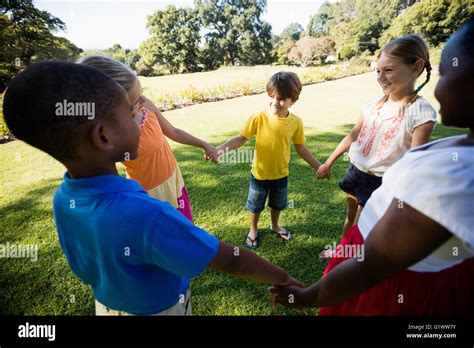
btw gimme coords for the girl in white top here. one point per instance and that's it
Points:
(416, 231)
(388, 126)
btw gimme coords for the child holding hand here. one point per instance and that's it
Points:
(416, 229)
(275, 129)
(156, 168)
(136, 252)
(388, 126)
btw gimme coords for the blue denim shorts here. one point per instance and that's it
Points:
(276, 190)
(359, 184)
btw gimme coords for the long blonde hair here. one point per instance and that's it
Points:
(119, 72)
(409, 49)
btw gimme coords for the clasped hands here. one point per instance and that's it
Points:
(292, 295)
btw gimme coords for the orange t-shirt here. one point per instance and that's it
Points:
(155, 162)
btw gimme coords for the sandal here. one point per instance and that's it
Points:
(283, 234)
(254, 242)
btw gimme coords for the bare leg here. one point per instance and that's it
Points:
(254, 217)
(352, 209)
(359, 211)
(275, 214)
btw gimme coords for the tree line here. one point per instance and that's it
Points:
(216, 33)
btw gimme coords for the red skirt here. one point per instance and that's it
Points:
(448, 292)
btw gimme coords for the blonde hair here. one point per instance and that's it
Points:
(119, 72)
(409, 49)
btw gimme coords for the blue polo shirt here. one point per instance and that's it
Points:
(135, 251)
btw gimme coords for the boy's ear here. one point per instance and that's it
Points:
(100, 138)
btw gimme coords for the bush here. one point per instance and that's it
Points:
(363, 60)
(191, 94)
(3, 127)
(435, 54)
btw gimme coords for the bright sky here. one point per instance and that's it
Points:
(100, 24)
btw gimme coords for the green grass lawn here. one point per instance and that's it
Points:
(217, 192)
(168, 92)
(209, 79)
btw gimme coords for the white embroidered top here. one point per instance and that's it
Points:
(385, 135)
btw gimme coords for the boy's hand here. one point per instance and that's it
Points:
(323, 172)
(210, 153)
(289, 296)
(221, 150)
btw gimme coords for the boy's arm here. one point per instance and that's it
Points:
(179, 135)
(233, 143)
(244, 264)
(307, 156)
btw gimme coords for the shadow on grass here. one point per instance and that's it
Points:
(47, 285)
(24, 211)
(218, 194)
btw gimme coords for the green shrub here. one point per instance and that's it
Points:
(3, 127)
(192, 95)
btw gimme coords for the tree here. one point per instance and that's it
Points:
(345, 38)
(27, 36)
(287, 53)
(373, 17)
(151, 60)
(117, 52)
(234, 31)
(318, 24)
(131, 59)
(309, 50)
(291, 33)
(435, 20)
(175, 37)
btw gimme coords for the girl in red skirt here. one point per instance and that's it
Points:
(412, 252)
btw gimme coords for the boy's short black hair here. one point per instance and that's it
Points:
(30, 104)
(287, 84)
(465, 35)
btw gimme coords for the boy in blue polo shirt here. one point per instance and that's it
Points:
(136, 252)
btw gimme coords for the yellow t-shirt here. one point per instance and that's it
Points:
(272, 143)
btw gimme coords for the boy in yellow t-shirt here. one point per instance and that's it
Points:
(274, 130)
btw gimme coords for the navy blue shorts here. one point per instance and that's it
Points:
(359, 184)
(276, 190)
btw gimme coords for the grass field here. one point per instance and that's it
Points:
(205, 80)
(169, 92)
(217, 192)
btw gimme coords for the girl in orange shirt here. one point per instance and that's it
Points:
(155, 168)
